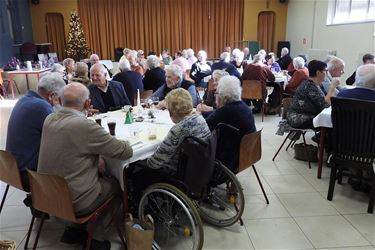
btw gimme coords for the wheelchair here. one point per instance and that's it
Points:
(203, 188)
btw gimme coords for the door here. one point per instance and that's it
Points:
(56, 33)
(266, 30)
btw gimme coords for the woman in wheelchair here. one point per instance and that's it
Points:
(165, 160)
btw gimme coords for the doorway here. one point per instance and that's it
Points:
(56, 33)
(266, 30)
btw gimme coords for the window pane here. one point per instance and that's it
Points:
(359, 10)
(342, 11)
(371, 12)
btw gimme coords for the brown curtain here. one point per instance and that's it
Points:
(56, 33)
(152, 25)
(266, 30)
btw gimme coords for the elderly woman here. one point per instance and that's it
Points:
(81, 72)
(300, 74)
(233, 111)
(69, 68)
(174, 79)
(131, 80)
(272, 64)
(209, 102)
(154, 77)
(309, 100)
(165, 160)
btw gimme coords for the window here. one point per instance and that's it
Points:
(350, 11)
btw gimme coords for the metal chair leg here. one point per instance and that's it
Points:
(260, 184)
(305, 146)
(29, 232)
(39, 230)
(4, 196)
(289, 144)
(280, 147)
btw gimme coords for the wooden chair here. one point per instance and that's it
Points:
(9, 173)
(56, 200)
(143, 95)
(294, 133)
(353, 137)
(252, 90)
(210, 85)
(251, 153)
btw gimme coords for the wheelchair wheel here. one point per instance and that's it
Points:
(177, 222)
(225, 202)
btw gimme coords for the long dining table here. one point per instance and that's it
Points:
(143, 136)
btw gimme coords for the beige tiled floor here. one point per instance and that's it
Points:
(298, 216)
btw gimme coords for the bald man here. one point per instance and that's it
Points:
(94, 59)
(106, 95)
(71, 147)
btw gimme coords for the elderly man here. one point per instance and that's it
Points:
(131, 80)
(190, 57)
(77, 144)
(200, 69)
(26, 121)
(106, 95)
(224, 64)
(364, 84)
(174, 79)
(258, 71)
(335, 68)
(284, 59)
(94, 59)
(246, 53)
(366, 59)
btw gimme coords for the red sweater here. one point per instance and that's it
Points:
(298, 76)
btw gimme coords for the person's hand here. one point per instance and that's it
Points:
(91, 111)
(335, 83)
(101, 165)
(162, 105)
(203, 108)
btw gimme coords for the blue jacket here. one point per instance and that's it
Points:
(119, 96)
(153, 79)
(236, 114)
(25, 129)
(131, 81)
(228, 67)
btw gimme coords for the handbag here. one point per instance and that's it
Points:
(139, 234)
(308, 153)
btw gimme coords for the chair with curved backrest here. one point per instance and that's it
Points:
(253, 90)
(251, 153)
(294, 133)
(56, 200)
(353, 142)
(28, 51)
(9, 173)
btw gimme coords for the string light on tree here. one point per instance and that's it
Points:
(76, 47)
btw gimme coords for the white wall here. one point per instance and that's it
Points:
(307, 19)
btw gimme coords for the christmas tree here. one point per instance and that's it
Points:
(77, 47)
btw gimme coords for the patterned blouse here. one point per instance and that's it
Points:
(308, 102)
(166, 156)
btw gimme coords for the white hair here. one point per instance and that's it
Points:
(124, 65)
(298, 62)
(52, 82)
(219, 73)
(190, 52)
(102, 69)
(203, 54)
(240, 55)
(257, 58)
(284, 51)
(175, 70)
(57, 67)
(365, 76)
(153, 62)
(225, 56)
(230, 88)
(335, 63)
(235, 51)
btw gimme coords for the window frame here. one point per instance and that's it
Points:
(333, 8)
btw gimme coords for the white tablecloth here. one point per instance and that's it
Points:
(323, 119)
(137, 135)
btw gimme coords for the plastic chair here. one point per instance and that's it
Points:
(9, 173)
(353, 141)
(252, 90)
(56, 200)
(251, 153)
(294, 133)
